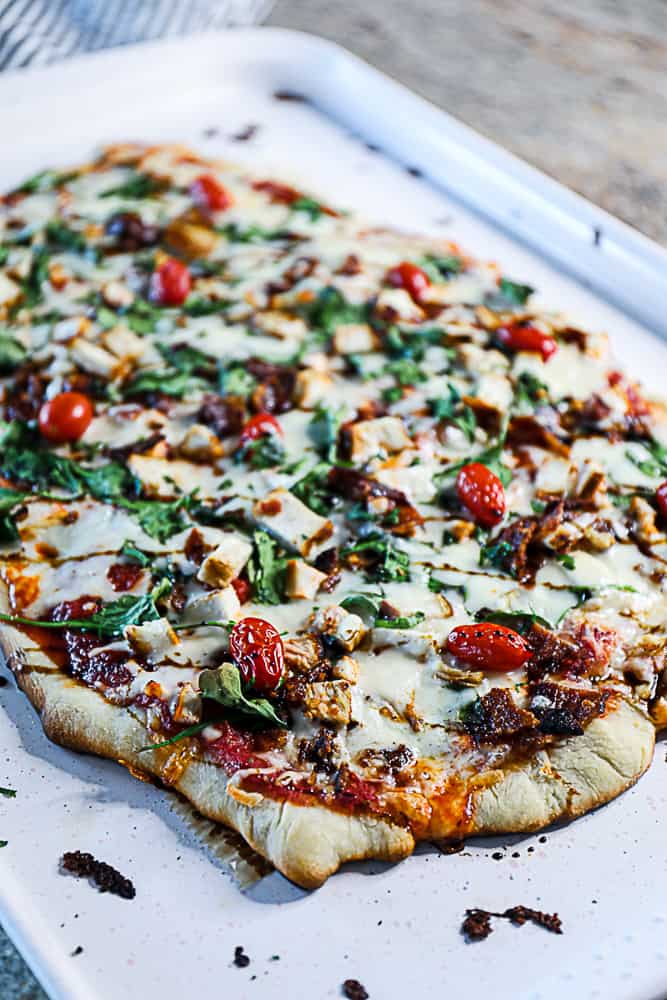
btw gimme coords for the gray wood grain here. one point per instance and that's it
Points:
(580, 90)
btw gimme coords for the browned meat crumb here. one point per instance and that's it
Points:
(77, 951)
(3, 682)
(477, 923)
(246, 134)
(353, 990)
(241, 960)
(106, 878)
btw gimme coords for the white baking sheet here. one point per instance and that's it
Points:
(394, 928)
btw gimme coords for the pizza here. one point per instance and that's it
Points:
(327, 526)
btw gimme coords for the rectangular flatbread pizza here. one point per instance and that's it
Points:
(326, 526)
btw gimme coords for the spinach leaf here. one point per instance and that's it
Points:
(263, 453)
(366, 606)
(38, 274)
(308, 205)
(111, 619)
(330, 310)
(323, 429)
(131, 552)
(529, 391)
(438, 268)
(380, 557)
(137, 186)
(223, 685)
(236, 381)
(495, 554)
(656, 465)
(61, 237)
(176, 383)
(313, 489)
(8, 500)
(266, 570)
(159, 518)
(511, 293)
(198, 306)
(520, 621)
(45, 180)
(12, 353)
(403, 621)
(8, 793)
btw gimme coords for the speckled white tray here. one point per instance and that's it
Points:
(394, 928)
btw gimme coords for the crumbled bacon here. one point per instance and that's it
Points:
(130, 232)
(495, 718)
(276, 385)
(321, 750)
(196, 548)
(224, 415)
(527, 430)
(355, 485)
(123, 576)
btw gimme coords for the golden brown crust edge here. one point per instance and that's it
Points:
(309, 843)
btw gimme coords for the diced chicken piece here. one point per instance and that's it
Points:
(398, 303)
(302, 580)
(9, 290)
(348, 629)
(124, 343)
(346, 669)
(330, 701)
(599, 538)
(312, 387)
(416, 481)
(186, 706)
(225, 562)
(216, 606)
(168, 478)
(191, 239)
(355, 338)
(562, 538)
(302, 653)
(481, 360)
(466, 289)
(291, 522)
(278, 324)
(152, 640)
(93, 358)
(117, 295)
(380, 436)
(67, 329)
(200, 444)
(495, 390)
(642, 516)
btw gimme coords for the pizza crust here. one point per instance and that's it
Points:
(309, 843)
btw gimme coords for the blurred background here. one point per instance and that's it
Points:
(579, 89)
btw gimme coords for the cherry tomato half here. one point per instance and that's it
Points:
(258, 426)
(524, 337)
(488, 647)
(209, 193)
(171, 283)
(661, 497)
(242, 588)
(65, 417)
(257, 650)
(482, 493)
(410, 277)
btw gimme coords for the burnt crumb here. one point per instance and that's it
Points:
(353, 990)
(104, 876)
(515, 854)
(77, 951)
(289, 95)
(415, 171)
(497, 855)
(559, 722)
(543, 839)
(275, 958)
(477, 923)
(3, 682)
(241, 960)
(597, 236)
(246, 134)
(450, 846)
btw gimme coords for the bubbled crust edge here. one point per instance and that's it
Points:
(305, 843)
(309, 843)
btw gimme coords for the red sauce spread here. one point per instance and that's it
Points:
(234, 749)
(107, 667)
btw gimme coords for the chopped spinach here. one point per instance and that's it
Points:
(223, 685)
(381, 559)
(266, 570)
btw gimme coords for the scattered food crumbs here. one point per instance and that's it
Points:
(3, 843)
(379, 923)
(372, 148)
(450, 846)
(275, 958)
(531, 849)
(246, 134)
(3, 682)
(516, 854)
(353, 990)
(414, 171)
(543, 840)
(8, 793)
(106, 878)
(289, 95)
(210, 133)
(241, 960)
(77, 951)
(477, 923)
(497, 855)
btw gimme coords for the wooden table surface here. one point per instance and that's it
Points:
(578, 89)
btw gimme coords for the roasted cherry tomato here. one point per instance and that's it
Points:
(482, 493)
(171, 283)
(65, 417)
(259, 426)
(661, 497)
(257, 650)
(524, 337)
(242, 588)
(488, 647)
(209, 194)
(410, 277)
